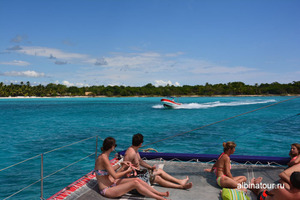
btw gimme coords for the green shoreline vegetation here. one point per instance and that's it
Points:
(231, 88)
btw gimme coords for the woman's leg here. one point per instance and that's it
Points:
(124, 180)
(164, 183)
(127, 186)
(170, 178)
(227, 182)
(240, 179)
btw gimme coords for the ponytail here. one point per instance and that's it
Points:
(108, 143)
(228, 145)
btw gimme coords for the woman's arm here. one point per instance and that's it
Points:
(211, 169)
(111, 170)
(122, 166)
(227, 166)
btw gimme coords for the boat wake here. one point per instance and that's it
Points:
(216, 104)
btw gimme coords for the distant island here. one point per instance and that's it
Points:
(231, 88)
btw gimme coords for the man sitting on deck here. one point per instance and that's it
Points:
(280, 193)
(158, 176)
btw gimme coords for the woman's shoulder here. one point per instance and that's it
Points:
(225, 157)
(102, 158)
(297, 159)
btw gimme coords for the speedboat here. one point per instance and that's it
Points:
(167, 103)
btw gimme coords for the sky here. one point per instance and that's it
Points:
(136, 42)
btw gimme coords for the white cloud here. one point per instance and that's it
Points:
(24, 74)
(101, 61)
(135, 68)
(221, 70)
(51, 57)
(19, 38)
(69, 84)
(14, 48)
(164, 83)
(143, 68)
(205, 67)
(174, 54)
(48, 52)
(16, 63)
(60, 62)
(145, 62)
(177, 84)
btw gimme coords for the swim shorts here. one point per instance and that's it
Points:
(262, 195)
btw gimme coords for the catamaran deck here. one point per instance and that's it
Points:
(204, 183)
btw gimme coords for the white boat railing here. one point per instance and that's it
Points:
(42, 177)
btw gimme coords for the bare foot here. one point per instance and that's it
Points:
(256, 180)
(164, 194)
(207, 170)
(188, 186)
(167, 194)
(184, 181)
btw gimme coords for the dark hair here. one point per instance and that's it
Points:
(297, 146)
(137, 139)
(108, 143)
(228, 145)
(295, 179)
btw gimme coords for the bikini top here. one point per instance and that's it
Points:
(216, 168)
(102, 172)
(294, 158)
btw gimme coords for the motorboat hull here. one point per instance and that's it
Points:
(167, 103)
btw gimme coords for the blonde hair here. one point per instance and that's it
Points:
(228, 145)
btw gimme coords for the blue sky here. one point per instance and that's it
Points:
(135, 42)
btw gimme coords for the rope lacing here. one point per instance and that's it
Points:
(247, 163)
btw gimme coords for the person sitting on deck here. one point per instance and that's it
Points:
(158, 176)
(111, 184)
(222, 168)
(278, 193)
(293, 165)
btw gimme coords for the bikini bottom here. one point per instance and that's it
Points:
(102, 192)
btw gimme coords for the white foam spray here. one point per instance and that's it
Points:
(216, 104)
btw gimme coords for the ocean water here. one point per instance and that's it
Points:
(30, 127)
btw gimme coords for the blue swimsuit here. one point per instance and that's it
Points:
(103, 172)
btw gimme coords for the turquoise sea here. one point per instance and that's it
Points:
(31, 126)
